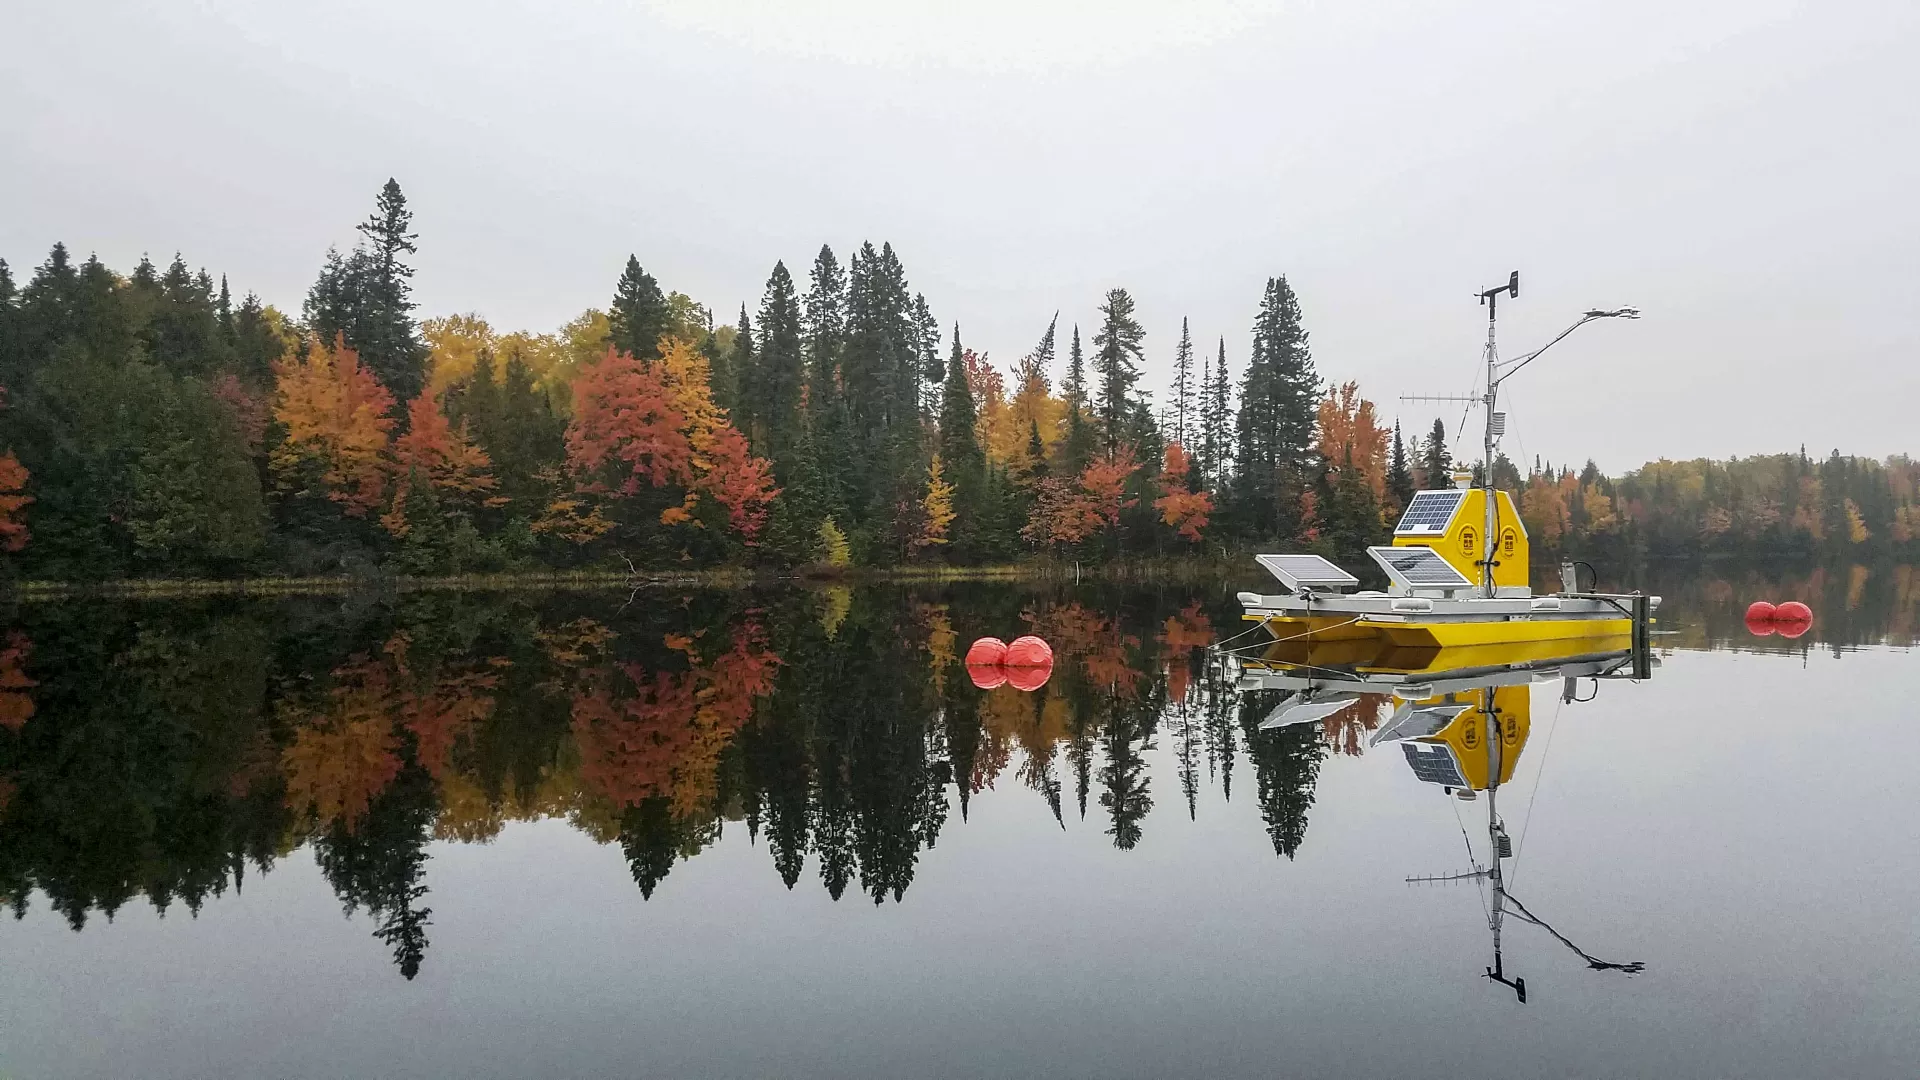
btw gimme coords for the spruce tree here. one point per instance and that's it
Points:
(826, 322)
(1399, 473)
(1436, 465)
(385, 333)
(1116, 362)
(1074, 386)
(1278, 408)
(638, 316)
(773, 409)
(959, 442)
(1183, 386)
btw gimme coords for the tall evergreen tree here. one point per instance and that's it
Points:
(388, 340)
(1183, 387)
(771, 401)
(959, 441)
(1278, 407)
(1074, 386)
(1116, 362)
(1435, 463)
(1399, 473)
(638, 316)
(826, 321)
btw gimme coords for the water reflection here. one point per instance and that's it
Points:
(169, 751)
(1462, 716)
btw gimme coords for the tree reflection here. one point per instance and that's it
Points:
(163, 751)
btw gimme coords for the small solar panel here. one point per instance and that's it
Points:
(1429, 512)
(1418, 568)
(1298, 572)
(1412, 721)
(1434, 763)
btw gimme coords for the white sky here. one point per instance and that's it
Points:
(1744, 171)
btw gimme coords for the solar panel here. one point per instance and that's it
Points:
(1298, 572)
(1418, 568)
(1412, 721)
(1429, 512)
(1306, 708)
(1434, 763)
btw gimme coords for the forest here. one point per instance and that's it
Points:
(153, 426)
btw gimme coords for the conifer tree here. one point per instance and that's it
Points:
(1435, 463)
(638, 317)
(826, 321)
(771, 402)
(389, 341)
(959, 442)
(1183, 386)
(1074, 386)
(1399, 473)
(1279, 400)
(1116, 363)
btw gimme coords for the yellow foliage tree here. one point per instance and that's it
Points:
(454, 344)
(938, 507)
(335, 415)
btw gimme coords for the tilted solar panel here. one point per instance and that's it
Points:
(1418, 568)
(1434, 763)
(1429, 512)
(1306, 571)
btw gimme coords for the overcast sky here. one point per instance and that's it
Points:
(1743, 171)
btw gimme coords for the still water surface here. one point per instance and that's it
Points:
(783, 833)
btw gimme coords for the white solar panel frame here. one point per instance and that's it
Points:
(1430, 561)
(1301, 571)
(1419, 504)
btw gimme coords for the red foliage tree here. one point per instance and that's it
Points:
(1184, 510)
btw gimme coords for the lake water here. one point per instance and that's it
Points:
(782, 832)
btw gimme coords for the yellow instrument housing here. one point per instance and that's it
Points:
(1462, 545)
(1466, 734)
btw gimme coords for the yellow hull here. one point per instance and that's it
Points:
(1415, 646)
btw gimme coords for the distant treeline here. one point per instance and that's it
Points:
(154, 425)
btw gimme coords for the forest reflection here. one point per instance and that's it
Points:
(165, 751)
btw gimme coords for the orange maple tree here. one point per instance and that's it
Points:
(335, 413)
(436, 452)
(1186, 511)
(655, 425)
(1351, 435)
(16, 705)
(1069, 512)
(13, 497)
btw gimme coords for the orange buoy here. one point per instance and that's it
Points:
(1760, 611)
(987, 650)
(1793, 611)
(986, 676)
(1762, 627)
(1029, 678)
(1028, 651)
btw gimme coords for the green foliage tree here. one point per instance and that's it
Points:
(1278, 399)
(1116, 364)
(638, 316)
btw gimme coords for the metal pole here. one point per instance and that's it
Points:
(1493, 386)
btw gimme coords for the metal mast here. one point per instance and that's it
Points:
(1489, 538)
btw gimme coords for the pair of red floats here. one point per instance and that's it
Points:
(1026, 664)
(1789, 620)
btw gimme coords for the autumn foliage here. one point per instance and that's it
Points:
(1183, 510)
(335, 413)
(1069, 512)
(640, 426)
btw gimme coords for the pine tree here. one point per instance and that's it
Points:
(1278, 404)
(959, 442)
(772, 406)
(388, 340)
(1215, 443)
(825, 313)
(1399, 474)
(638, 316)
(1183, 386)
(1435, 464)
(1074, 386)
(1116, 361)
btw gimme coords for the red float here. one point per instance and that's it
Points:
(1792, 629)
(1028, 651)
(1029, 678)
(986, 676)
(986, 651)
(1760, 611)
(1762, 627)
(1793, 611)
